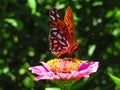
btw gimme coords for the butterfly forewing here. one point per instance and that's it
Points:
(69, 21)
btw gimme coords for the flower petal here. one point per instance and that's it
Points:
(91, 68)
(64, 75)
(43, 77)
(40, 69)
(84, 65)
(37, 69)
(46, 65)
(47, 75)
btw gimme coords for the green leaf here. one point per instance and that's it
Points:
(60, 6)
(91, 49)
(15, 23)
(109, 14)
(115, 79)
(32, 5)
(31, 51)
(27, 82)
(97, 3)
(53, 88)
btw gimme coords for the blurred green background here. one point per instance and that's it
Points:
(24, 30)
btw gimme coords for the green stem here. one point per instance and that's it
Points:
(65, 88)
(65, 84)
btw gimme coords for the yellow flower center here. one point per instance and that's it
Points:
(65, 65)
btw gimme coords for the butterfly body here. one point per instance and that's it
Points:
(62, 37)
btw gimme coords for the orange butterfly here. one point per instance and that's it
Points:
(62, 37)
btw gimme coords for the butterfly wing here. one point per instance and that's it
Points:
(58, 37)
(62, 37)
(69, 21)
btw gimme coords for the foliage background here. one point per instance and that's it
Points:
(24, 30)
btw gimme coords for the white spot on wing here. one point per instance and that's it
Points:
(58, 15)
(53, 12)
(54, 29)
(59, 48)
(63, 38)
(62, 43)
(59, 36)
(52, 17)
(55, 33)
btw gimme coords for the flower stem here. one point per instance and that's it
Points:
(65, 88)
(65, 84)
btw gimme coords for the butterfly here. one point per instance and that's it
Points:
(62, 37)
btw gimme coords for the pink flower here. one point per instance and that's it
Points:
(64, 69)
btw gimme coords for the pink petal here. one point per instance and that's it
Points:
(36, 69)
(64, 75)
(44, 77)
(40, 69)
(93, 66)
(47, 75)
(46, 66)
(86, 70)
(84, 65)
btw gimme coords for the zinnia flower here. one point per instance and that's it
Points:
(64, 69)
(64, 72)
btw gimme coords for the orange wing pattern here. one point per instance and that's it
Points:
(68, 19)
(62, 37)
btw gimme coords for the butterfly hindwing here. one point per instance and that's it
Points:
(58, 33)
